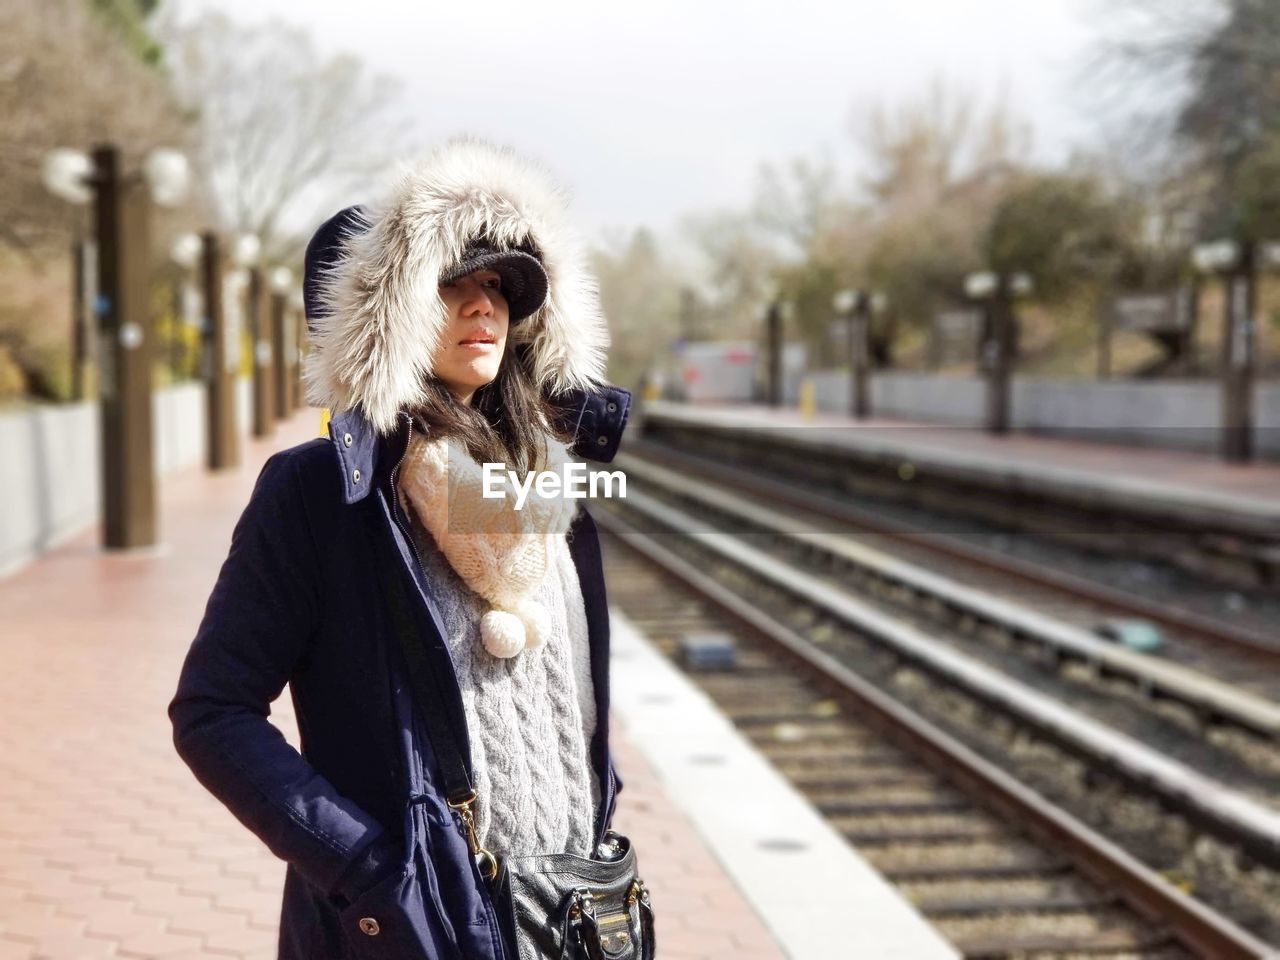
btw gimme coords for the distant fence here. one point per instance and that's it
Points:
(1171, 414)
(50, 470)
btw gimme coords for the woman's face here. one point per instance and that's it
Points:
(476, 337)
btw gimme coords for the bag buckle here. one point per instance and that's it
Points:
(581, 901)
(637, 891)
(485, 860)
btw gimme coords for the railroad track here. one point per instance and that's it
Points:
(1055, 631)
(1204, 535)
(1205, 785)
(1235, 652)
(996, 868)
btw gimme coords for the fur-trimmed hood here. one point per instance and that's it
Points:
(381, 315)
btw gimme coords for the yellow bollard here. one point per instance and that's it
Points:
(324, 422)
(808, 399)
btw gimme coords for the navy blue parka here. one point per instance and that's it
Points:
(359, 815)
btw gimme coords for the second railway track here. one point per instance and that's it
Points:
(1203, 640)
(1000, 871)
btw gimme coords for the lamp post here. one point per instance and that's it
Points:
(856, 306)
(121, 212)
(220, 358)
(775, 320)
(281, 281)
(185, 253)
(1236, 264)
(297, 338)
(994, 292)
(84, 255)
(247, 250)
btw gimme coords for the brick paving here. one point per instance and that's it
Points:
(108, 845)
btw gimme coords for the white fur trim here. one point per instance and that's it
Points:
(383, 316)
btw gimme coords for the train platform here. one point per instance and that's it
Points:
(1238, 497)
(110, 848)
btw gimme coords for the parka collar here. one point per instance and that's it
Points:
(595, 418)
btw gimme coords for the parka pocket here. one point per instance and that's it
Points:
(394, 921)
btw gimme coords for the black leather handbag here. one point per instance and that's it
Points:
(551, 906)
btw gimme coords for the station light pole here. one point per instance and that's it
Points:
(84, 255)
(857, 307)
(185, 253)
(122, 205)
(220, 358)
(247, 251)
(774, 332)
(281, 282)
(994, 292)
(297, 341)
(1237, 265)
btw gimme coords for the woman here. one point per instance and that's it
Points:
(452, 325)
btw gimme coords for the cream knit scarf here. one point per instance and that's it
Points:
(501, 553)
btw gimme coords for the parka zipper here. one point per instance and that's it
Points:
(608, 793)
(458, 820)
(606, 797)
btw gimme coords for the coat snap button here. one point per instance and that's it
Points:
(355, 476)
(346, 438)
(601, 440)
(369, 926)
(611, 407)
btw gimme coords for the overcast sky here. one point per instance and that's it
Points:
(648, 110)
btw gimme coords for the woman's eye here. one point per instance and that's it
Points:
(494, 283)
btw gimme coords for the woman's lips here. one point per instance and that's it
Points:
(478, 345)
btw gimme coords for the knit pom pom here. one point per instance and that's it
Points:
(537, 623)
(502, 633)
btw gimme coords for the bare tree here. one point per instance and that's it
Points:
(739, 263)
(639, 289)
(1202, 79)
(796, 202)
(284, 133)
(68, 78)
(922, 149)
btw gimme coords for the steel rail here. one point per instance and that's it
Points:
(1215, 807)
(1197, 926)
(1205, 694)
(1252, 643)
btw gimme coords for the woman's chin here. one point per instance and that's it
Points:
(475, 375)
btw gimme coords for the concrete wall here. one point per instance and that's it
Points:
(50, 469)
(1174, 414)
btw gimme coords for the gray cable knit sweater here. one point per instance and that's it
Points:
(530, 717)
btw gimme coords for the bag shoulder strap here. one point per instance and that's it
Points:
(428, 680)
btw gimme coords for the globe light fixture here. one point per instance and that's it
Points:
(186, 249)
(168, 176)
(245, 250)
(1215, 257)
(980, 285)
(66, 174)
